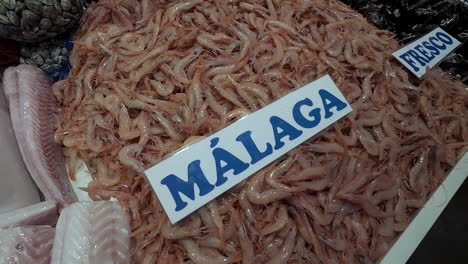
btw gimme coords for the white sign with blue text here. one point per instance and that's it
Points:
(426, 51)
(199, 173)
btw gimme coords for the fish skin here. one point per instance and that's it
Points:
(44, 213)
(26, 245)
(17, 189)
(33, 110)
(92, 232)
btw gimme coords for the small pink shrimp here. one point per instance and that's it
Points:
(368, 141)
(179, 232)
(246, 205)
(258, 197)
(125, 125)
(335, 243)
(277, 171)
(367, 87)
(366, 203)
(281, 221)
(247, 247)
(172, 12)
(200, 257)
(207, 220)
(217, 220)
(286, 251)
(312, 172)
(126, 156)
(360, 232)
(326, 148)
(318, 214)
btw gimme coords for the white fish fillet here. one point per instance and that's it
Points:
(26, 245)
(17, 189)
(92, 232)
(44, 213)
(33, 112)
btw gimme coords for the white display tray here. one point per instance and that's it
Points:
(409, 240)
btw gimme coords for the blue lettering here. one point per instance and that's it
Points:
(214, 142)
(246, 140)
(407, 58)
(416, 56)
(424, 53)
(232, 163)
(444, 38)
(334, 102)
(433, 40)
(195, 176)
(300, 118)
(434, 50)
(287, 130)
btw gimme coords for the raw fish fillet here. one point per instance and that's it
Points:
(17, 189)
(33, 112)
(44, 213)
(26, 245)
(92, 232)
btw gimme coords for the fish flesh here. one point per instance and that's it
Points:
(17, 189)
(92, 232)
(26, 245)
(44, 213)
(33, 112)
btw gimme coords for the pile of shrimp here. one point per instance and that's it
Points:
(149, 77)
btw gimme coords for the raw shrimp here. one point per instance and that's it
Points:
(287, 248)
(280, 222)
(150, 77)
(255, 194)
(200, 257)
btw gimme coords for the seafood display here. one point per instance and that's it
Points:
(33, 110)
(26, 244)
(92, 232)
(149, 77)
(17, 189)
